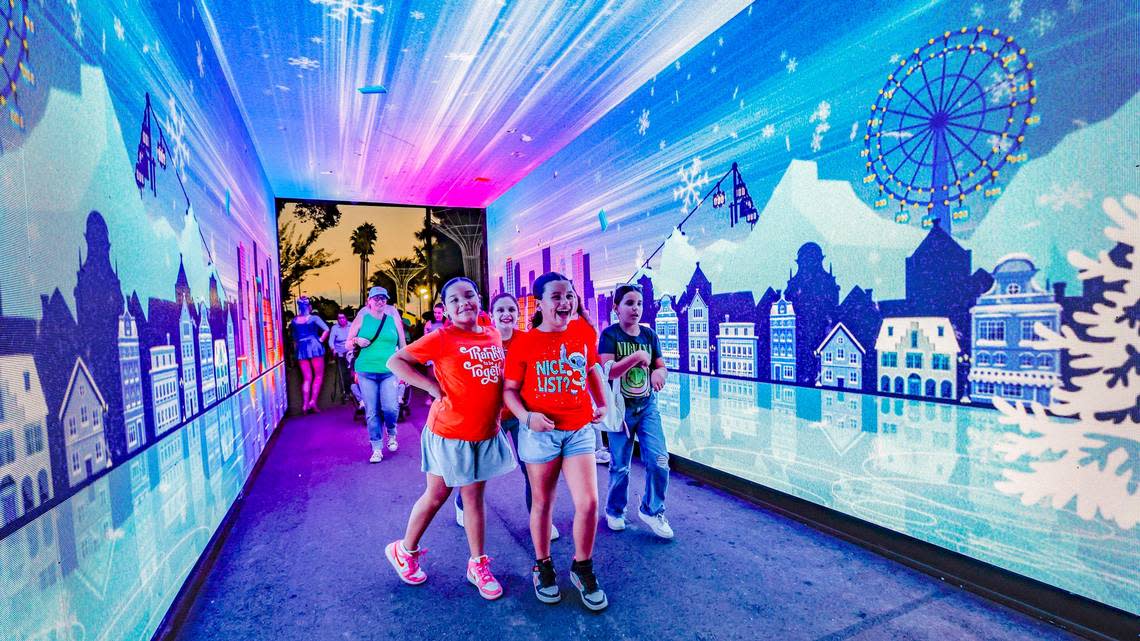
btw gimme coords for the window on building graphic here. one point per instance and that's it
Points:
(914, 338)
(983, 359)
(854, 360)
(839, 354)
(889, 359)
(1026, 360)
(828, 376)
(947, 390)
(890, 331)
(1013, 288)
(914, 385)
(788, 371)
(914, 360)
(854, 377)
(83, 413)
(29, 494)
(941, 330)
(33, 438)
(827, 357)
(940, 361)
(1012, 390)
(930, 387)
(45, 488)
(1045, 361)
(98, 451)
(7, 447)
(885, 384)
(27, 381)
(991, 330)
(75, 461)
(1000, 360)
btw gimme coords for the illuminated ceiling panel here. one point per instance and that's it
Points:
(480, 92)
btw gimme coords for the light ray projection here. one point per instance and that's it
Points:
(929, 321)
(478, 92)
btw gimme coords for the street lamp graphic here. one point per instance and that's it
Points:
(423, 299)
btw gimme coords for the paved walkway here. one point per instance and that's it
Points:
(305, 561)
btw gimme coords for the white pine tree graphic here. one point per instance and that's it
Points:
(1093, 460)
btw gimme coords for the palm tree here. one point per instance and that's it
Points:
(402, 271)
(363, 241)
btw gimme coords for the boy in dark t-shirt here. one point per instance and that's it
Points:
(637, 361)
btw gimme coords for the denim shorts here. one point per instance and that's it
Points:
(543, 447)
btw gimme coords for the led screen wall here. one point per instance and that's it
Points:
(905, 232)
(139, 347)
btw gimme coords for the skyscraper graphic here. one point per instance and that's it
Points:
(186, 336)
(130, 374)
(206, 360)
(510, 285)
(231, 352)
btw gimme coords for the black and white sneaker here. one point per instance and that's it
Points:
(583, 578)
(546, 581)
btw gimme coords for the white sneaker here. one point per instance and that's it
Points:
(554, 535)
(602, 456)
(659, 524)
(615, 523)
(459, 516)
(392, 444)
(377, 455)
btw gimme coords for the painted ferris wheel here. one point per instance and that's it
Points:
(14, 56)
(949, 119)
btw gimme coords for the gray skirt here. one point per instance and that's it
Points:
(462, 463)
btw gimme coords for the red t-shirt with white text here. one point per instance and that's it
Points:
(468, 366)
(552, 369)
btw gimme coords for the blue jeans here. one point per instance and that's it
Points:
(511, 427)
(644, 422)
(380, 398)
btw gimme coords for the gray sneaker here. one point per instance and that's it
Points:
(377, 454)
(615, 523)
(583, 578)
(546, 582)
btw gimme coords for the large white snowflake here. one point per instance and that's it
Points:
(822, 112)
(1043, 22)
(643, 122)
(1059, 197)
(692, 181)
(1015, 9)
(978, 10)
(1092, 460)
(418, 15)
(792, 65)
(120, 31)
(304, 62)
(341, 9)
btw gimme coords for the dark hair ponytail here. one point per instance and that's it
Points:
(453, 281)
(540, 284)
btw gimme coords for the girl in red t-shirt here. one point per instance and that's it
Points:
(462, 445)
(549, 381)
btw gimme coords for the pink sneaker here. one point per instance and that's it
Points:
(479, 574)
(407, 564)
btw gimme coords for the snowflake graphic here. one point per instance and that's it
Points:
(817, 136)
(854, 130)
(692, 180)
(417, 15)
(978, 10)
(783, 55)
(661, 145)
(304, 62)
(643, 122)
(175, 128)
(1001, 88)
(720, 41)
(120, 32)
(1059, 197)
(341, 9)
(712, 69)
(317, 40)
(822, 112)
(1002, 145)
(1015, 9)
(1092, 463)
(792, 65)
(1043, 22)
(894, 60)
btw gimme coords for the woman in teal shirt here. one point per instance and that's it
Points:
(379, 332)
